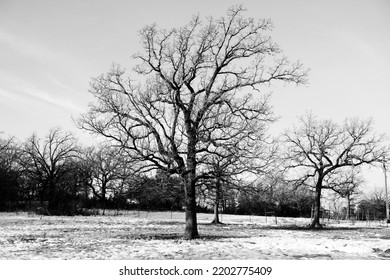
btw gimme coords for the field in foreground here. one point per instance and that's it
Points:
(158, 235)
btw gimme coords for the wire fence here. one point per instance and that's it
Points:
(269, 218)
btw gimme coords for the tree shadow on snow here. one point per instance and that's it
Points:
(179, 236)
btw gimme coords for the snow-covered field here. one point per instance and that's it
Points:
(158, 235)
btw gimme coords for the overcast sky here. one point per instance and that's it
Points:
(50, 49)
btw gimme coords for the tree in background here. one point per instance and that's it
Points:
(9, 173)
(46, 161)
(318, 151)
(71, 187)
(271, 193)
(107, 170)
(187, 76)
(157, 192)
(234, 151)
(348, 186)
(225, 165)
(373, 205)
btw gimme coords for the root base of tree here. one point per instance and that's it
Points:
(190, 237)
(315, 226)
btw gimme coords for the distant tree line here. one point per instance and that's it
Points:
(54, 175)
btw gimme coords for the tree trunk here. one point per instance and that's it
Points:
(348, 207)
(317, 208)
(191, 228)
(103, 198)
(52, 206)
(216, 203)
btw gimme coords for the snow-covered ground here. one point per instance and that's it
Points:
(158, 235)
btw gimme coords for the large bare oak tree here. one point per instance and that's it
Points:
(186, 79)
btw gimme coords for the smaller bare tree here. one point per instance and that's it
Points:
(108, 170)
(348, 185)
(318, 150)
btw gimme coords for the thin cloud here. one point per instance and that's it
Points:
(57, 82)
(6, 94)
(29, 48)
(43, 96)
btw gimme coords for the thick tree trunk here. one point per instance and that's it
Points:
(216, 203)
(315, 223)
(191, 228)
